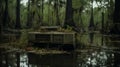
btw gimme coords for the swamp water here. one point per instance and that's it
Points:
(105, 56)
(97, 58)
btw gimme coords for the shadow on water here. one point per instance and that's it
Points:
(96, 58)
(102, 57)
(60, 60)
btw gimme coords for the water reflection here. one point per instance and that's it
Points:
(105, 56)
(56, 60)
(13, 59)
(91, 35)
(95, 58)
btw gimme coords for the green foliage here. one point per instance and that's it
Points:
(81, 10)
(23, 42)
(68, 28)
(81, 15)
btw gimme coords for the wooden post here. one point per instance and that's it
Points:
(51, 38)
(74, 40)
(63, 40)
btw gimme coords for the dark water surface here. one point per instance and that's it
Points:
(96, 58)
(105, 56)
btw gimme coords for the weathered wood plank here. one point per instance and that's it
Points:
(53, 37)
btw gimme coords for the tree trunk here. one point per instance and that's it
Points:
(117, 12)
(116, 31)
(57, 13)
(116, 19)
(1, 19)
(1, 14)
(28, 25)
(102, 26)
(49, 12)
(18, 25)
(91, 24)
(69, 14)
(42, 11)
(5, 16)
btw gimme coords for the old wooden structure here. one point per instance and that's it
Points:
(50, 38)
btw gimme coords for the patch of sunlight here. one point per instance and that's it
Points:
(24, 2)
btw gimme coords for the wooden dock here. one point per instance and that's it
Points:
(61, 38)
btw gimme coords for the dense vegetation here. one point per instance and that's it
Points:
(80, 15)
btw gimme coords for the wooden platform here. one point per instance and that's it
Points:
(63, 38)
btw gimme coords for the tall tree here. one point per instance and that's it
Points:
(110, 11)
(117, 12)
(1, 18)
(116, 19)
(1, 15)
(18, 25)
(42, 11)
(29, 24)
(5, 16)
(56, 7)
(69, 14)
(91, 24)
(102, 25)
(116, 31)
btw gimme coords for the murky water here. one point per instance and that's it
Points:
(96, 58)
(92, 57)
